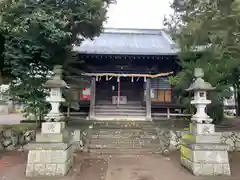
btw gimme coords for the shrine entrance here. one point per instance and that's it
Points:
(120, 91)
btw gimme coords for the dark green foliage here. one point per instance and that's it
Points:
(211, 28)
(39, 34)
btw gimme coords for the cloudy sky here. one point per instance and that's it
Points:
(147, 14)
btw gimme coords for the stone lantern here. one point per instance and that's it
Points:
(55, 84)
(200, 88)
(201, 150)
(51, 154)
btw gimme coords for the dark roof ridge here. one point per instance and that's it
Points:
(133, 31)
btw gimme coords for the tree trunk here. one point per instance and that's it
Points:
(238, 103)
(237, 98)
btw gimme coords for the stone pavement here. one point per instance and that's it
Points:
(13, 118)
(12, 167)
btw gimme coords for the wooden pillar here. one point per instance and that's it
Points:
(92, 99)
(168, 113)
(119, 89)
(148, 99)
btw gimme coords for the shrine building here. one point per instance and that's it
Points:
(128, 71)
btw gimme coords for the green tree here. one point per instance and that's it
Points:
(207, 33)
(39, 34)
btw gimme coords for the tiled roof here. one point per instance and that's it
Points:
(129, 41)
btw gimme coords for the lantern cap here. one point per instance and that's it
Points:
(55, 81)
(199, 83)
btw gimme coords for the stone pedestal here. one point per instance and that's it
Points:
(4, 107)
(51, 154)
(202, 153)
(77, 140)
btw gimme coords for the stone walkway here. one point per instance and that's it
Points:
(12, 167)
(13, 118)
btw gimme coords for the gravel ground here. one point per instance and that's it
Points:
(86, 167)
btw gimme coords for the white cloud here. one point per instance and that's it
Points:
(148, 14)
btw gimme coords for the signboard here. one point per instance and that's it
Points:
(85, 95)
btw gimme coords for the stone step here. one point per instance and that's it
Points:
(120, 110)
(128, 137)
(109, 102)
(142, 142)
(120, 107)
(118, 114)
(122, 146)
(120, 118)
(122, 127)
(130, 151)
(123, 133)
(124, 124)
(122, 138)
(116, 130)
(79, 123)
(125, 136)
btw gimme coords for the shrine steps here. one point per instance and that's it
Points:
(113, 112)
(124, 151)
(120, 107)
(123, 137)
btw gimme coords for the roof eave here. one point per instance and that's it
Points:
(129, 53)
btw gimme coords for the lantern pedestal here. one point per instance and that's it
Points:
(51, 154)
(201, 150)
(202, 153)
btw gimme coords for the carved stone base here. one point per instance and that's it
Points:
(58, 137)
(51, 154)
(196, 128)
(49, 160)
(205, 162)
(202, 153)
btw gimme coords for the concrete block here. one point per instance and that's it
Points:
(186, 153)
(208, 146)
(48, 156)
(48, 163)
(217, 168)
(48, 146)
(207, 169)
(212, 138)
(56, 137)
(226, 169)
(203, 162)
(62, 169)
(77, 135)
(210, 156)
(202, 128)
